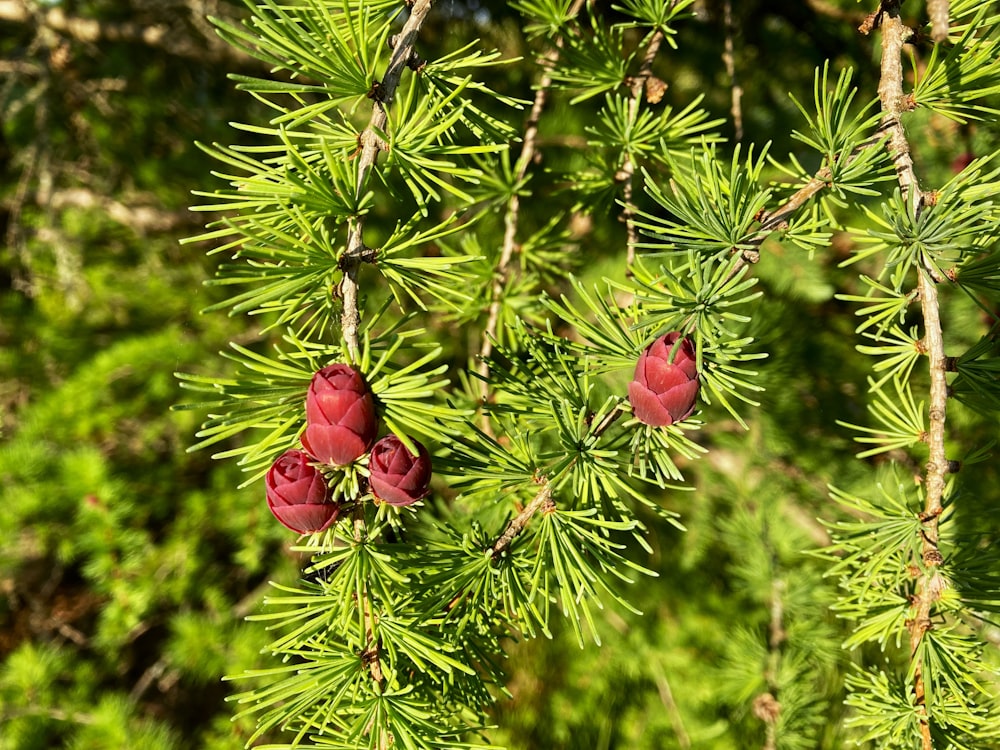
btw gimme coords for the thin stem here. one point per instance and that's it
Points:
(627, 172)
(370, 143)
(729, 58)
(667, 699)
(541, 501)
(371, 653)
(512, 215)
(777, 219)
(937, 465)
(930, 582)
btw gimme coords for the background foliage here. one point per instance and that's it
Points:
(127, 563)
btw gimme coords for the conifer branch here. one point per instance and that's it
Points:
(729, 58)
(370, 143)
(771, 221)
(542, 501)
(644, 81)
(512, 215)
(930, 582)
(894, 103)
(371, 653)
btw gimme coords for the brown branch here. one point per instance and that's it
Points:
(626, 174)
(771, 221)
(512, 215)
(729, 58)
(542, 501)
(930, 582)
(93, 31)
(370, 143)
(894, 103)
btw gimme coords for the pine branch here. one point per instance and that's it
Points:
(894, 103)
(771, 221)
(370, 143)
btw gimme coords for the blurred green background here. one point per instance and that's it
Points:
(127, 564)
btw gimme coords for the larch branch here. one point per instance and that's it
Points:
(542, 501)
(729, 58)
(930, 582)
(643, 82)
(370, 143)
(512, 215)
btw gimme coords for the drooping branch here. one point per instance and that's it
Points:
(930, 582)
(729, 59)
(512, 215)
(370, 143)
(642, 83)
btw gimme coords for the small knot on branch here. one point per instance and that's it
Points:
(933, 557)
(364, 254)
(766, 708)
(655, 89)
(928, 516)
